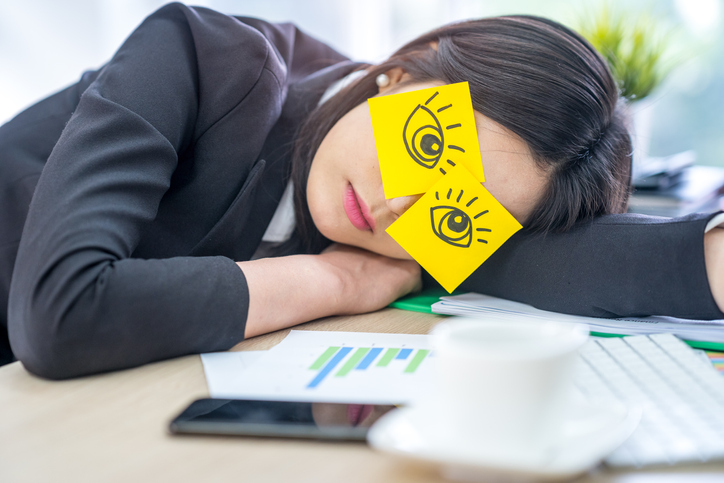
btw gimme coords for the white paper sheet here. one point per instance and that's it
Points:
(221, 367)
(359, 370)
(474, 304)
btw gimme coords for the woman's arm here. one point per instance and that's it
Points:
(81, 300)
(714, 255)
(79, 303)
(613, 266)
(341, 280)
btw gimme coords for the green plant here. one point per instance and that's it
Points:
(634, 48)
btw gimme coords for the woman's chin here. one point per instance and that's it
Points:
(366, 241)
(398, 252)
(391, 250)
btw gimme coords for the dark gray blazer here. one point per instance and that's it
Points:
(151, 176)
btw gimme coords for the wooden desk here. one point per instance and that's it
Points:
(112, 428)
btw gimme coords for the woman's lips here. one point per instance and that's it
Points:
(357, 211)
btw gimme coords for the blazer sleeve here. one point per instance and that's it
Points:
(79, 303)
(613, 266)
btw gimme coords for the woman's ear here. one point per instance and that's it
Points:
(394, 77)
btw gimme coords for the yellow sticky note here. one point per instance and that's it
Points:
(421, 135)
(454, 228)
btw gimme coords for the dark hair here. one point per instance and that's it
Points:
(535, 77)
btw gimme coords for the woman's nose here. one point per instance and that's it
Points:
(400, 204)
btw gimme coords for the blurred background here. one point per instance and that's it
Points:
(47, 44)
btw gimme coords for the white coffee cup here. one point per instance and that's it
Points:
(501, 388)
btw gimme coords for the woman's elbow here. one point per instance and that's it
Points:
(42, 343)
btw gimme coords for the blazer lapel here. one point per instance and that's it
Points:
(240, 230)
(231, 237)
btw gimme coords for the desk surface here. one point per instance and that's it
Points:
(112, 428)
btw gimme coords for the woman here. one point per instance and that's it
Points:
(154, 229)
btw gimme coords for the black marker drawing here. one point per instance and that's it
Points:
(425, 144)
(433, 97)
(453, 225)
(483, 229)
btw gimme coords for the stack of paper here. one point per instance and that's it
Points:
(473, 304)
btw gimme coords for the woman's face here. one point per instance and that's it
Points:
(344, 189)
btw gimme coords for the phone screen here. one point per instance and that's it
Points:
(317, 420)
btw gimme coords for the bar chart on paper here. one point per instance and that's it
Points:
(371, 359)
(338, 367)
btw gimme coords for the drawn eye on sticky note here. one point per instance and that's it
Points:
(421, 135)
(454, 227)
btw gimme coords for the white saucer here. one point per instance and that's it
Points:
(590, 434)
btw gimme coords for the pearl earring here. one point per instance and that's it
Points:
(382, 80)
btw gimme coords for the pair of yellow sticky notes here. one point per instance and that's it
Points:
(427, 143)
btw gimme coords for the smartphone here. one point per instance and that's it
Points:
(285, 419)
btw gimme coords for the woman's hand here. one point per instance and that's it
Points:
(370, 281)
(290, 290)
